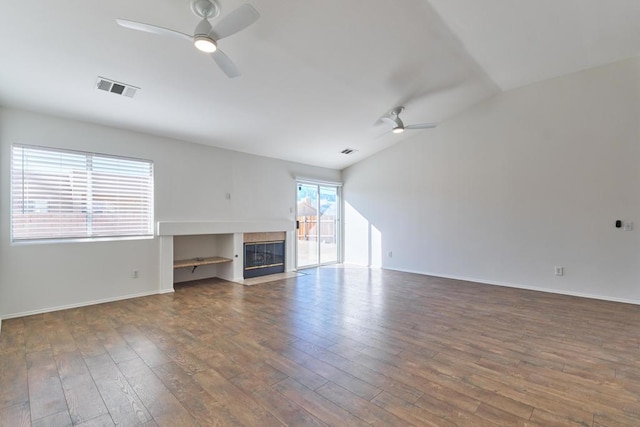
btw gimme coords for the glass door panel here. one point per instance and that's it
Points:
(328, 223)
(307, 217)
(318, 210)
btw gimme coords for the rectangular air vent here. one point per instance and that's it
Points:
(116, 87)
(348, 151)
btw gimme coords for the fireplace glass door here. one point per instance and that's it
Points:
(318, 224)
(262, 258)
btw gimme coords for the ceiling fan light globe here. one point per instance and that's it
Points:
(205, 44)
(398, 129)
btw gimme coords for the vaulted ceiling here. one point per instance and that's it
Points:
(317, 76)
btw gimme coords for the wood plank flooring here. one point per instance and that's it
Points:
(336, 346)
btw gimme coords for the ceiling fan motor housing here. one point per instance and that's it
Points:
(203, 28)
(202, 38)
(394, 115)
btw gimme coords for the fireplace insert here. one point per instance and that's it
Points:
(262, 258)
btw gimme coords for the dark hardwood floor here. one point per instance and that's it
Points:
(338, 346)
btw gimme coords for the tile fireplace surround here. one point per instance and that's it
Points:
(231, 245)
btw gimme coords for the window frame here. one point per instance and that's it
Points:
(89, 156)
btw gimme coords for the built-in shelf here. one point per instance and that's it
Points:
(210, 254)
(195, 262)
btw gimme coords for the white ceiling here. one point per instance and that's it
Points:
(316, 75)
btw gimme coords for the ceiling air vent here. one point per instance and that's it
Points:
(116, 87)
(348, 151)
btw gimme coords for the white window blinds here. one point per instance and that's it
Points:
(60, 194)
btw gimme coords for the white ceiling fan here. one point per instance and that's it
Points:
(206, 37)
(393, 118)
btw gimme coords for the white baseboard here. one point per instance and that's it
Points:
(86, 303)
(512, 285)
(0, 326)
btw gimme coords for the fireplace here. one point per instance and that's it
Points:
(262, 258)
(230, 246)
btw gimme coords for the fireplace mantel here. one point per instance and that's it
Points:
(166, 230)
(184, 228)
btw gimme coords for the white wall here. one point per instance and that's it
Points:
(531, 179)
(190, 184)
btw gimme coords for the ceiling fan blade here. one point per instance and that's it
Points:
(237, 20)
(154, 29)
(225, 64)
(422, 126)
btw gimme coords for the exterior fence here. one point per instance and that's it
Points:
(308, 228)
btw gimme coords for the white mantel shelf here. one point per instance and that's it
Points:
(186, 228)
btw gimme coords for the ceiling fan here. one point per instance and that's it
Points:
(205, 36)
(393, 118)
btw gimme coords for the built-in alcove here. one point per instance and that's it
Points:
(186, 240)
(202, 256)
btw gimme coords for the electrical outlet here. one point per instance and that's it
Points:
(135, 274)
(390, 254)
(559, 271)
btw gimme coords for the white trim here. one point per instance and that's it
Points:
(80, 240)
(303, 180)
(528, 288)
(0, 325)
(87, 303)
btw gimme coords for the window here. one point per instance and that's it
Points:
(61, 194)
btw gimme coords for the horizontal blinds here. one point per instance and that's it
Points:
(59, 194)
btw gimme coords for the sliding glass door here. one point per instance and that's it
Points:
(318, 223)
